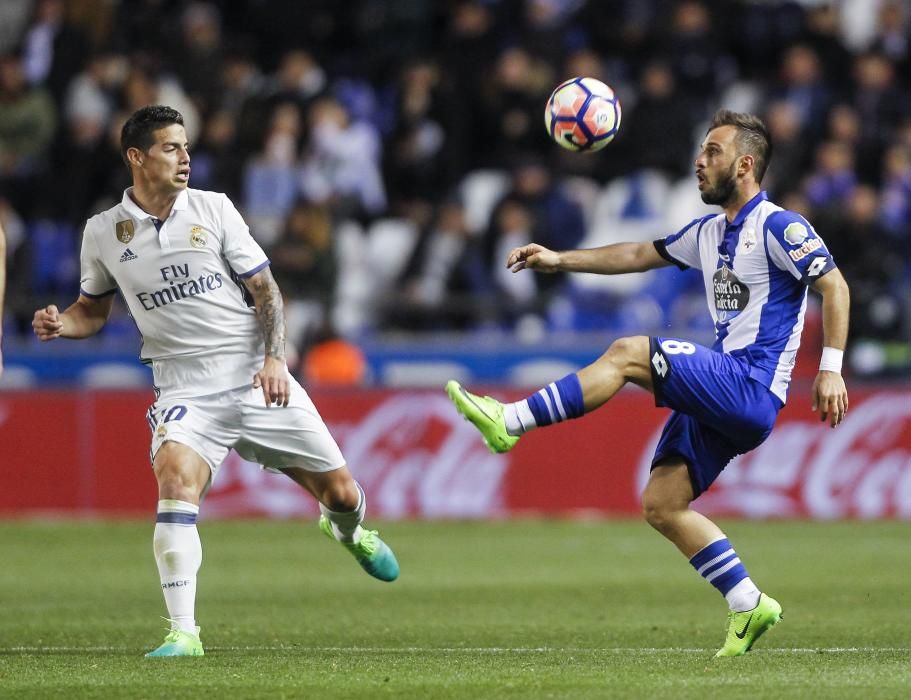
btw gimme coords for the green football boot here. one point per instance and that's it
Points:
(371, 552)
(744, 628)
(486, 414)
(179, 643)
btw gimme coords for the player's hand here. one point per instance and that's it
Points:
(47, 324)
(830, 397)
(533, 257)
(273, 378)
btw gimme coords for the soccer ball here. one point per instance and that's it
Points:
(582, 114)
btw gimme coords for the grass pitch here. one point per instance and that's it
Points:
(519, 609)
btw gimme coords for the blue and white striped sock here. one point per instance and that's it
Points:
(555, 403)
(719, 564)
(178, 553)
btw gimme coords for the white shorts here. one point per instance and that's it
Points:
(276, 437)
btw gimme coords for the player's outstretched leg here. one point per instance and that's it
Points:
(501, 425)
(374, 555)
(744, 628)
(179, 643)
(485, 413)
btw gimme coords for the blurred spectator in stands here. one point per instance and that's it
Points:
(146, 84)
(534, 209)
(823, 37)
(241, 81)
(435, 285)
(89, 98)
(865, 255)
(803, 85)
(844, 126)
(341, 162)
(549, 30)
(763, 31)
(200, 57)
(652, 138)
(299, 80)
(27, 123)
(893, 36)
(511, 109)
(791, 152)
(881, 105)
(692, 47)
(270, 177)
(54, 50)
(833, 178)
(14, 18)
(304, 265)
(422, 157)
(469, 47)
(79, 168)
(217, 164)
(896, 199)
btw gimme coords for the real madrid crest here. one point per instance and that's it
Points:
(124, 230)
(198, 237)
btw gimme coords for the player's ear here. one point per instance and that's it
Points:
(745, 165)
(135, 156)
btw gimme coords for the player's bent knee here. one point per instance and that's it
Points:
(658, 510)
(630, 355)
(341, 496)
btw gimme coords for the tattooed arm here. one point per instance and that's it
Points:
(273, 377)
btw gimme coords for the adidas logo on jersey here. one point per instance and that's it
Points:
(128, 255)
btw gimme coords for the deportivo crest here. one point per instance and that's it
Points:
(124, 230)
(748, 240)
(795, 233)
(198, 237)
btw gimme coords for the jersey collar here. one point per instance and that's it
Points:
(747, 209)
(136, 212)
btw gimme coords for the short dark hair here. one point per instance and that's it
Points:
(752, 137)
(138, 129)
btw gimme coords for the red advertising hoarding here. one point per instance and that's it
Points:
(87, 453)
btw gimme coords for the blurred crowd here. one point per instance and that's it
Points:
(387, 154)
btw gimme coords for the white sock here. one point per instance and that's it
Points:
(518, 418)
(178, 553)
(346, 525)
(744, 596)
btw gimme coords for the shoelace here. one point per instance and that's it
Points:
(367, 545)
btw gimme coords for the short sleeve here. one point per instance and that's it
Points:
(796, 248)
(682, 248)
(95, 281)
(244, 255)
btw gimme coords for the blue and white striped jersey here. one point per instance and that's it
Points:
(756, 270)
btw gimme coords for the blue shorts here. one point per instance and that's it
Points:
(719, 410)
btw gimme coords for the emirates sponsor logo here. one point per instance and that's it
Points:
(862, 469)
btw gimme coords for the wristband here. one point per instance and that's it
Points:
(831, 360)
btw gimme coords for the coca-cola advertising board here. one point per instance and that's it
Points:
(86, 453)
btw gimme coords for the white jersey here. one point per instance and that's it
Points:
(181, 281)
(756, 270)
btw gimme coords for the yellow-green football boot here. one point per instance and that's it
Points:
(744, 628)
(485, 413)
(371, 552)
(179, 643)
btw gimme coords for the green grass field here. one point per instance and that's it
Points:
(519, 609)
